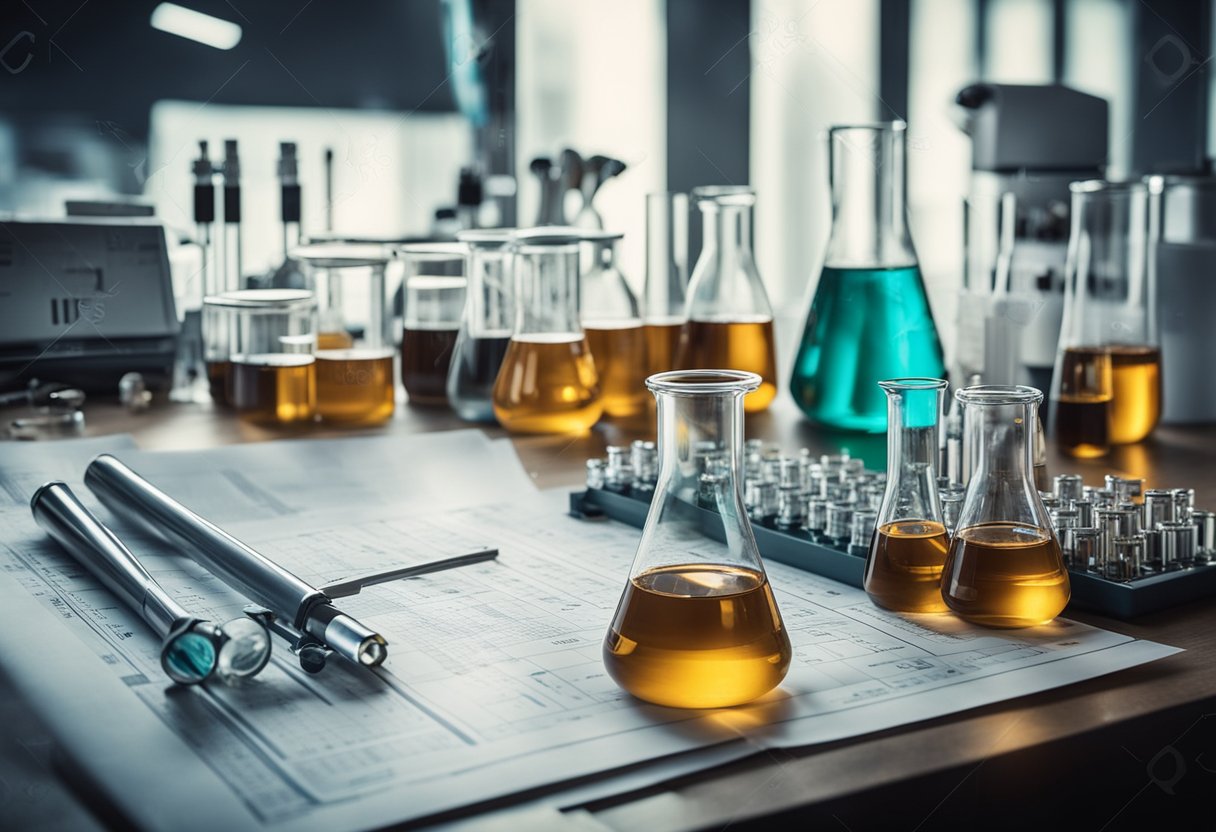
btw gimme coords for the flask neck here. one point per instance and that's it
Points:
(700, 435)
(869, 210)
(725, 283)
(666, 257)
(1002, 439)
(489, 309)
(914, 408)
(726, 231)
(547, 291)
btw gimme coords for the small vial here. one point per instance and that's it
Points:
(595, 473)
(1205, 524)
(791, 507)
(708, 489)
(1085, 512)
(618, 473)
(1102, 497)
(765, 511)
(1125, 488)
(1154, 551)
(1050, 501)
(789, 473)
(1179, 542)
(1127, 560)
(1068, 487)
(1184, 503)
(1083, 544)
(1158, 507)
(837, 523)
(1064, 518)
(862, 531)
(817, 515)
(833, 462)
(644, 457)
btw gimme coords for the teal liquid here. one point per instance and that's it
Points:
(865, 325)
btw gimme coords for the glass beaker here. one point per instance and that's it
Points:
(697, 625)
(729, 319)
(1107, 384)
(665, 290)
(272, 372)
(908, 549)
(434, 280)
(870, 318)
(613, 326)
(547, 382)
(1004, 567)
(219, 323)
(485, 331)
(355, 351)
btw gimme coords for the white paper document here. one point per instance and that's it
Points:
(494, 683)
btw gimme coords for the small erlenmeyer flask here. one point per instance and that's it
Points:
(547, 382)
(614, 328)
(489, 312)
(665, 291)
(1004, 567)
(908, 550)
(730, 321)
(870, 318)
(697, 625)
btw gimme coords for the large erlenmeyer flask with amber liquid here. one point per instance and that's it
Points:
(870, 318)
(697, 625)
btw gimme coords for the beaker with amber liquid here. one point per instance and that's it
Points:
(548, 381)
(697, 625)
(664, 292)
(485, 330)
(613, 325)
(355, 352)
(908, 550)
(1004, 567)
(434, 292)
(272, 369)
(729, 318)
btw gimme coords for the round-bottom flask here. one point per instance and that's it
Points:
(697, 625)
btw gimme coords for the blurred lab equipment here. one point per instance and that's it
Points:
(1031, 142)
(548, 381)
(1107, 387)
(270, 377)
(1004, 567)
(870, 317)
(55, 411)
(572, 174)
(433, 276)
(354, 355)
(729, 319)
(665, 291)
(908, 548)
(550, 210)
(290, 197)
(194, 649)
(133, 393)
(485, 328)
(613, 326)
(697, 625)
(233, 268)
(595, 172)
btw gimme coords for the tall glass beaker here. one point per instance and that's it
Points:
(272, 375)
(489, 312)
(870, 318)
(434, 286)
(730, 321)
(697, 625)
(908, 550)
(1107, 384)
(665, 292)
(1004, 567)
(613, 325)
(547, 382)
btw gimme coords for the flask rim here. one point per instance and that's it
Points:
(913, 383)
(741, 195)
(999, 394)
(341, 255)
(486, 237)
(897, 126)
(703, 382)
(1104, 186)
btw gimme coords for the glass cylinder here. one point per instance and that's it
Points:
(665, 290)
(1004, 567)
(613, 325)
(870, 317)
(730, 321)
(355, 348)
(272, 371)
(1107, 385)
(547, 382)
(697, 625)
(434, 291)
(485, 329)
(218, 322)
(908, 549)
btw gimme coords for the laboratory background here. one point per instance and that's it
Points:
(607, 414)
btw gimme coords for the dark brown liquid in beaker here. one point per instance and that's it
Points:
(735, 345)
(697, 636)
(217, 381)
(274, 388)
(619, 353)
(426, 355)
(1005, 575)
(1082, 413)
(904, 568)
(355, 386)
(547, 384)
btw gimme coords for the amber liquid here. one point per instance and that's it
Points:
(619, 353)
(426, 355)
(1082, 426)
(217, 381)
(697, 636)
(1136, 401)
(904, 567)
(276, 388)
(547, 384)
(735, 345)
(1005, 575)
(334, 341)
(662, 344)
(355, 386)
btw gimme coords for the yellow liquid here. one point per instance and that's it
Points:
(619, 353)
(355, 386)
(735, 345)
(1005, 575)
(334, 341)
(697, 636)
(547, 384)
(1136, 401)
(275, 388)
(904, 567)
(662, 344)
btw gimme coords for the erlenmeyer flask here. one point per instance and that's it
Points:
(547, 382)
(614, 328)
(908, 550)
(489, 313)
(1004, 567)
(730, 321)
(665, 291)
(697, 625)
(870, 318)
